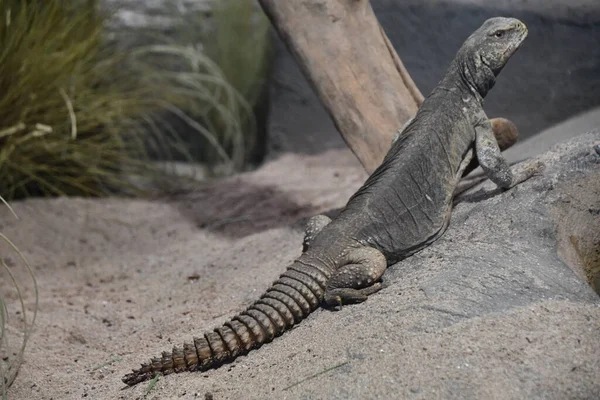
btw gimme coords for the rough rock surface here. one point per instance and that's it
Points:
(552, 77)
(492, 310)
(558, 133)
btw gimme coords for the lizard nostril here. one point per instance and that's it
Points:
(519, 26)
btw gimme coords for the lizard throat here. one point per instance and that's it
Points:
(479, 77)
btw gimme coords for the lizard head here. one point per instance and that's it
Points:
(497, 40)
(485, 53)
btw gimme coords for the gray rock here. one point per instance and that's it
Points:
(553, 77)
(561, 132)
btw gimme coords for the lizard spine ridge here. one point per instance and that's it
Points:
(289, 300)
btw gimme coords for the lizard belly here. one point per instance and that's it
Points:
(412, 230)
(409, 212)
(406, 202)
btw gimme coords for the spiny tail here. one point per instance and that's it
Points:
(288, 301)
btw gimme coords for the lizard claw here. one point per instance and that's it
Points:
(528, 171)
(333, 302)
(537, 168)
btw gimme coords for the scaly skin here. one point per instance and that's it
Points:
(506, 135)
(402, 207)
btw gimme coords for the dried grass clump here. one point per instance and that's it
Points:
(197, 89)
(231, 43)
(65, 105)
(240, 45)
(11, 355)
(79, 117)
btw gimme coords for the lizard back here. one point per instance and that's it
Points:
(405, 204)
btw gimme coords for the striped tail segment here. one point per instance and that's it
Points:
(289, 300)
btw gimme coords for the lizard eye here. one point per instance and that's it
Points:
(499, 34)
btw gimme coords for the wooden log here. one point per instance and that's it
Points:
(350, 63)
(341, 49)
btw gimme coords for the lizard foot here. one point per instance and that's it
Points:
(336, 298)
(357, 278)
(527, 171)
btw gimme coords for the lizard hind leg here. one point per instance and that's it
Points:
(357, 278)
(313, 227)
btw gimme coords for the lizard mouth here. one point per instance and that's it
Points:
(511, 50)
(484, 62)
(522, 29)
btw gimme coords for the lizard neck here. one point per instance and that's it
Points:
(469, 77)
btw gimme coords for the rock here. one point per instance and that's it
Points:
(558, 133)
(500, 307)
(553, 77)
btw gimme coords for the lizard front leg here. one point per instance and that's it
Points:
(357, 278)
(506, 135)
(492, 162)
(313, 227)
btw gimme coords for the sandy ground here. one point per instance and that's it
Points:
(120, 279)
